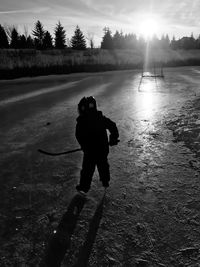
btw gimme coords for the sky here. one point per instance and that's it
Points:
(173, 17)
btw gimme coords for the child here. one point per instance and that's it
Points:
(92, 136)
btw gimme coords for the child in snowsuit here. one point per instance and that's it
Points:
(92, 136)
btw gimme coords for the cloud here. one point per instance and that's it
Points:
(179, 15)
(36, 10)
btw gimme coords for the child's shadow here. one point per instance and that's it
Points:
(85, 250)
(59, 243)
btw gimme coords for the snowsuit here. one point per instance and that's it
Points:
(92, 136)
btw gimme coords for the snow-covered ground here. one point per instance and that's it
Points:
(150, 214)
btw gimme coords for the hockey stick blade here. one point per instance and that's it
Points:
(59, 153)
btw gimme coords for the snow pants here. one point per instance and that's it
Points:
(90, 161)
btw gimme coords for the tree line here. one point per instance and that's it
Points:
(42, 39)
(130, 41)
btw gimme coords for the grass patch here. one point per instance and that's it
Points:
(29, 62)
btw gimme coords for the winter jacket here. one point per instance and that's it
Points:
(92, 135)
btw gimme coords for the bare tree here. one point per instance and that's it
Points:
(68, 42)
(8, 29)
(90, 38)
(26, 31)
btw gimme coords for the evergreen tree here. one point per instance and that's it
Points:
(3, 38)
(130, 41)
(60, 36)
(47, 42)
(193, 43)
(173, 43)
(14, 43)
(30, 42)
(155, 42)
(126, 41)
(117, 40)
(107, 41)
(167, 41)
(141, 42)
(22, 42)
(198, 42)
(39, 34)
(78, 40)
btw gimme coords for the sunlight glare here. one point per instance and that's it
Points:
(148, 88)
(149, 27)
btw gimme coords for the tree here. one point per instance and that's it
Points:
(14, 43)
(130, 41)
(155, 42)
(167, 41)
(193, 43)
(141, 42)
(3, 38)
(26, 31)
(78, 40)
(30, 42)
(60, 36)
(198, 42)
(173, 43)
(39, 34)
(47, 42)
(22, 42)
(107, 41)
(8, 30)
(90, 38)
(117, 40)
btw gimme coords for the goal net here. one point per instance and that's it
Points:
(152, 70)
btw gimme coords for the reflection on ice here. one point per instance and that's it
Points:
(146, 104)
(147, 85)
(148, 97)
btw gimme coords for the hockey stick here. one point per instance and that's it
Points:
(59, 153)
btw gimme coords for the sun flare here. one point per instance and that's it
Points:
(149, 27)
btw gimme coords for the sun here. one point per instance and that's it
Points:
(148, 27)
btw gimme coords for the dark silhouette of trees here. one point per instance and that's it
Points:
(173, 43)
(164, 42)
(78, 40)
(185, 43)
(130, 41)
(3, 38)
(118, 40)
(14, 43)
(30, 42)
(141, 42)
(10, 38)
(107, 40)
(25, 42)
(155, 42)
(22, 42)
(60, 36)
(48, 41)
(39, 34)
(198, 42)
